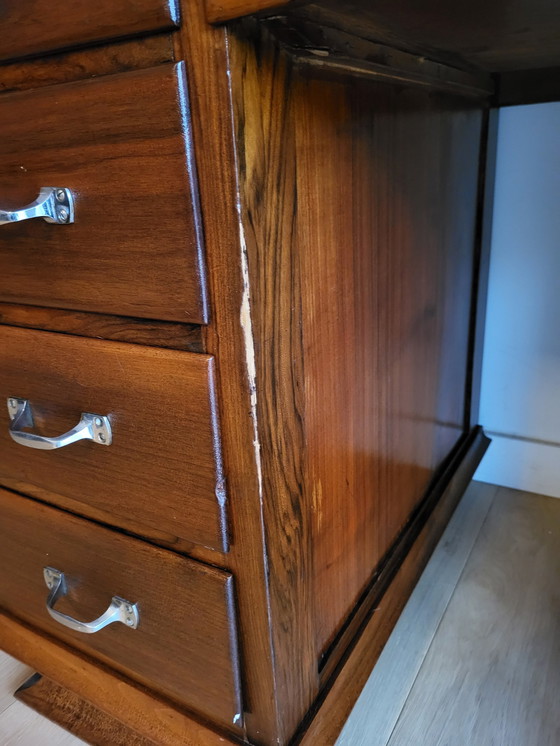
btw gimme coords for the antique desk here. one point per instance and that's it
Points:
(243, 254)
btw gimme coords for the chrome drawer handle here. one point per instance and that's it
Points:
(54, 204)
(94, 427)
(120, 610)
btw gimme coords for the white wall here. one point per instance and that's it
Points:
(520, 401)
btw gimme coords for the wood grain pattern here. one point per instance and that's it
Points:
(363, 198)
(331, 710)
(470, 450)
(141, 709)
(263, 79)
(185, 646)
(135, 248)
(328, 429)
(494, 673)
(390, 291)
(352, 54)
(78, 717)
(101, 326)
(223, 10)
(162, 475)
(42, 27)
(229, 337)
(86, 63)
(496, 36)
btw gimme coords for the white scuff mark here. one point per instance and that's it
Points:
(245, 310)
(247, 327)
(250, 363)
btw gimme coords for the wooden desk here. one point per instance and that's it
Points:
(290, 288)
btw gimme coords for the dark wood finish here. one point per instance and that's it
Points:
(529, 87)
(482, 265)
(324, 722)
(229, 337)
(264, 97)
(225, 10)
(185, 646)
(141, 709)
(339, 190)
(353, 192)
(135, 248)
(118, 328)
(350, 53)
(42, 26)
(75, 715)
(396, 386)
(449, 484)
(86, 63)
(492, 35)
(162, 475)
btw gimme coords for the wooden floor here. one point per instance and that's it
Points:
(19, 725)
(475, 657)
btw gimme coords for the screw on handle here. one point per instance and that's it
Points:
(119, 610)
(94, 427)
(54, 204)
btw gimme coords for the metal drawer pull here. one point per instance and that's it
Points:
(120, 610)
(94, 427)
(54, 204)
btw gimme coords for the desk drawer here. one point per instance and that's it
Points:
(185, 643)
(120, 144)
(30, 27)
(161, 476)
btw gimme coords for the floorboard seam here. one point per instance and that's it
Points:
(444, 611)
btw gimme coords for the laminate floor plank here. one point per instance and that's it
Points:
(12, 675)
(378, 708)
(492, 674)
(21, 726)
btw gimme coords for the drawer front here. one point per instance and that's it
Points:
(185, 642)
(30, 27)
(161, 476)
(120, 143)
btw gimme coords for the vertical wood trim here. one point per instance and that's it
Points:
(262, 77)
(229, 338)
(481, 265)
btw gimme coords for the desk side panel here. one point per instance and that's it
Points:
(359, 207)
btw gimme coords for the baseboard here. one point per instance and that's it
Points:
(390, 594)
(522, 464)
